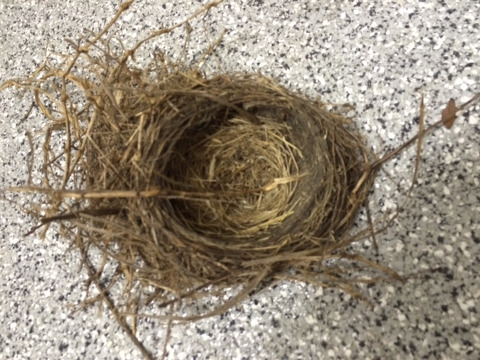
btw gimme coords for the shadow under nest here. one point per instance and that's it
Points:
(191, 181)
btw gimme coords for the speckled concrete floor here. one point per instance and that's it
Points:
(374, 54)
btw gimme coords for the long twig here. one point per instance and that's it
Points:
(378, 163)
(93, 277)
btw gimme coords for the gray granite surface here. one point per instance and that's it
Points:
(374, 54)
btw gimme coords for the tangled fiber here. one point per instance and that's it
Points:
(227, 175)
(185, 181)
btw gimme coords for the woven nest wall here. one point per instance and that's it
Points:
(222, 178)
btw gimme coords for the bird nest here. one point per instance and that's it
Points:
(216, 179)
(183, 182)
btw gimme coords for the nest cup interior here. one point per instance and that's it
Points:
(244, 155)
(252, 169)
